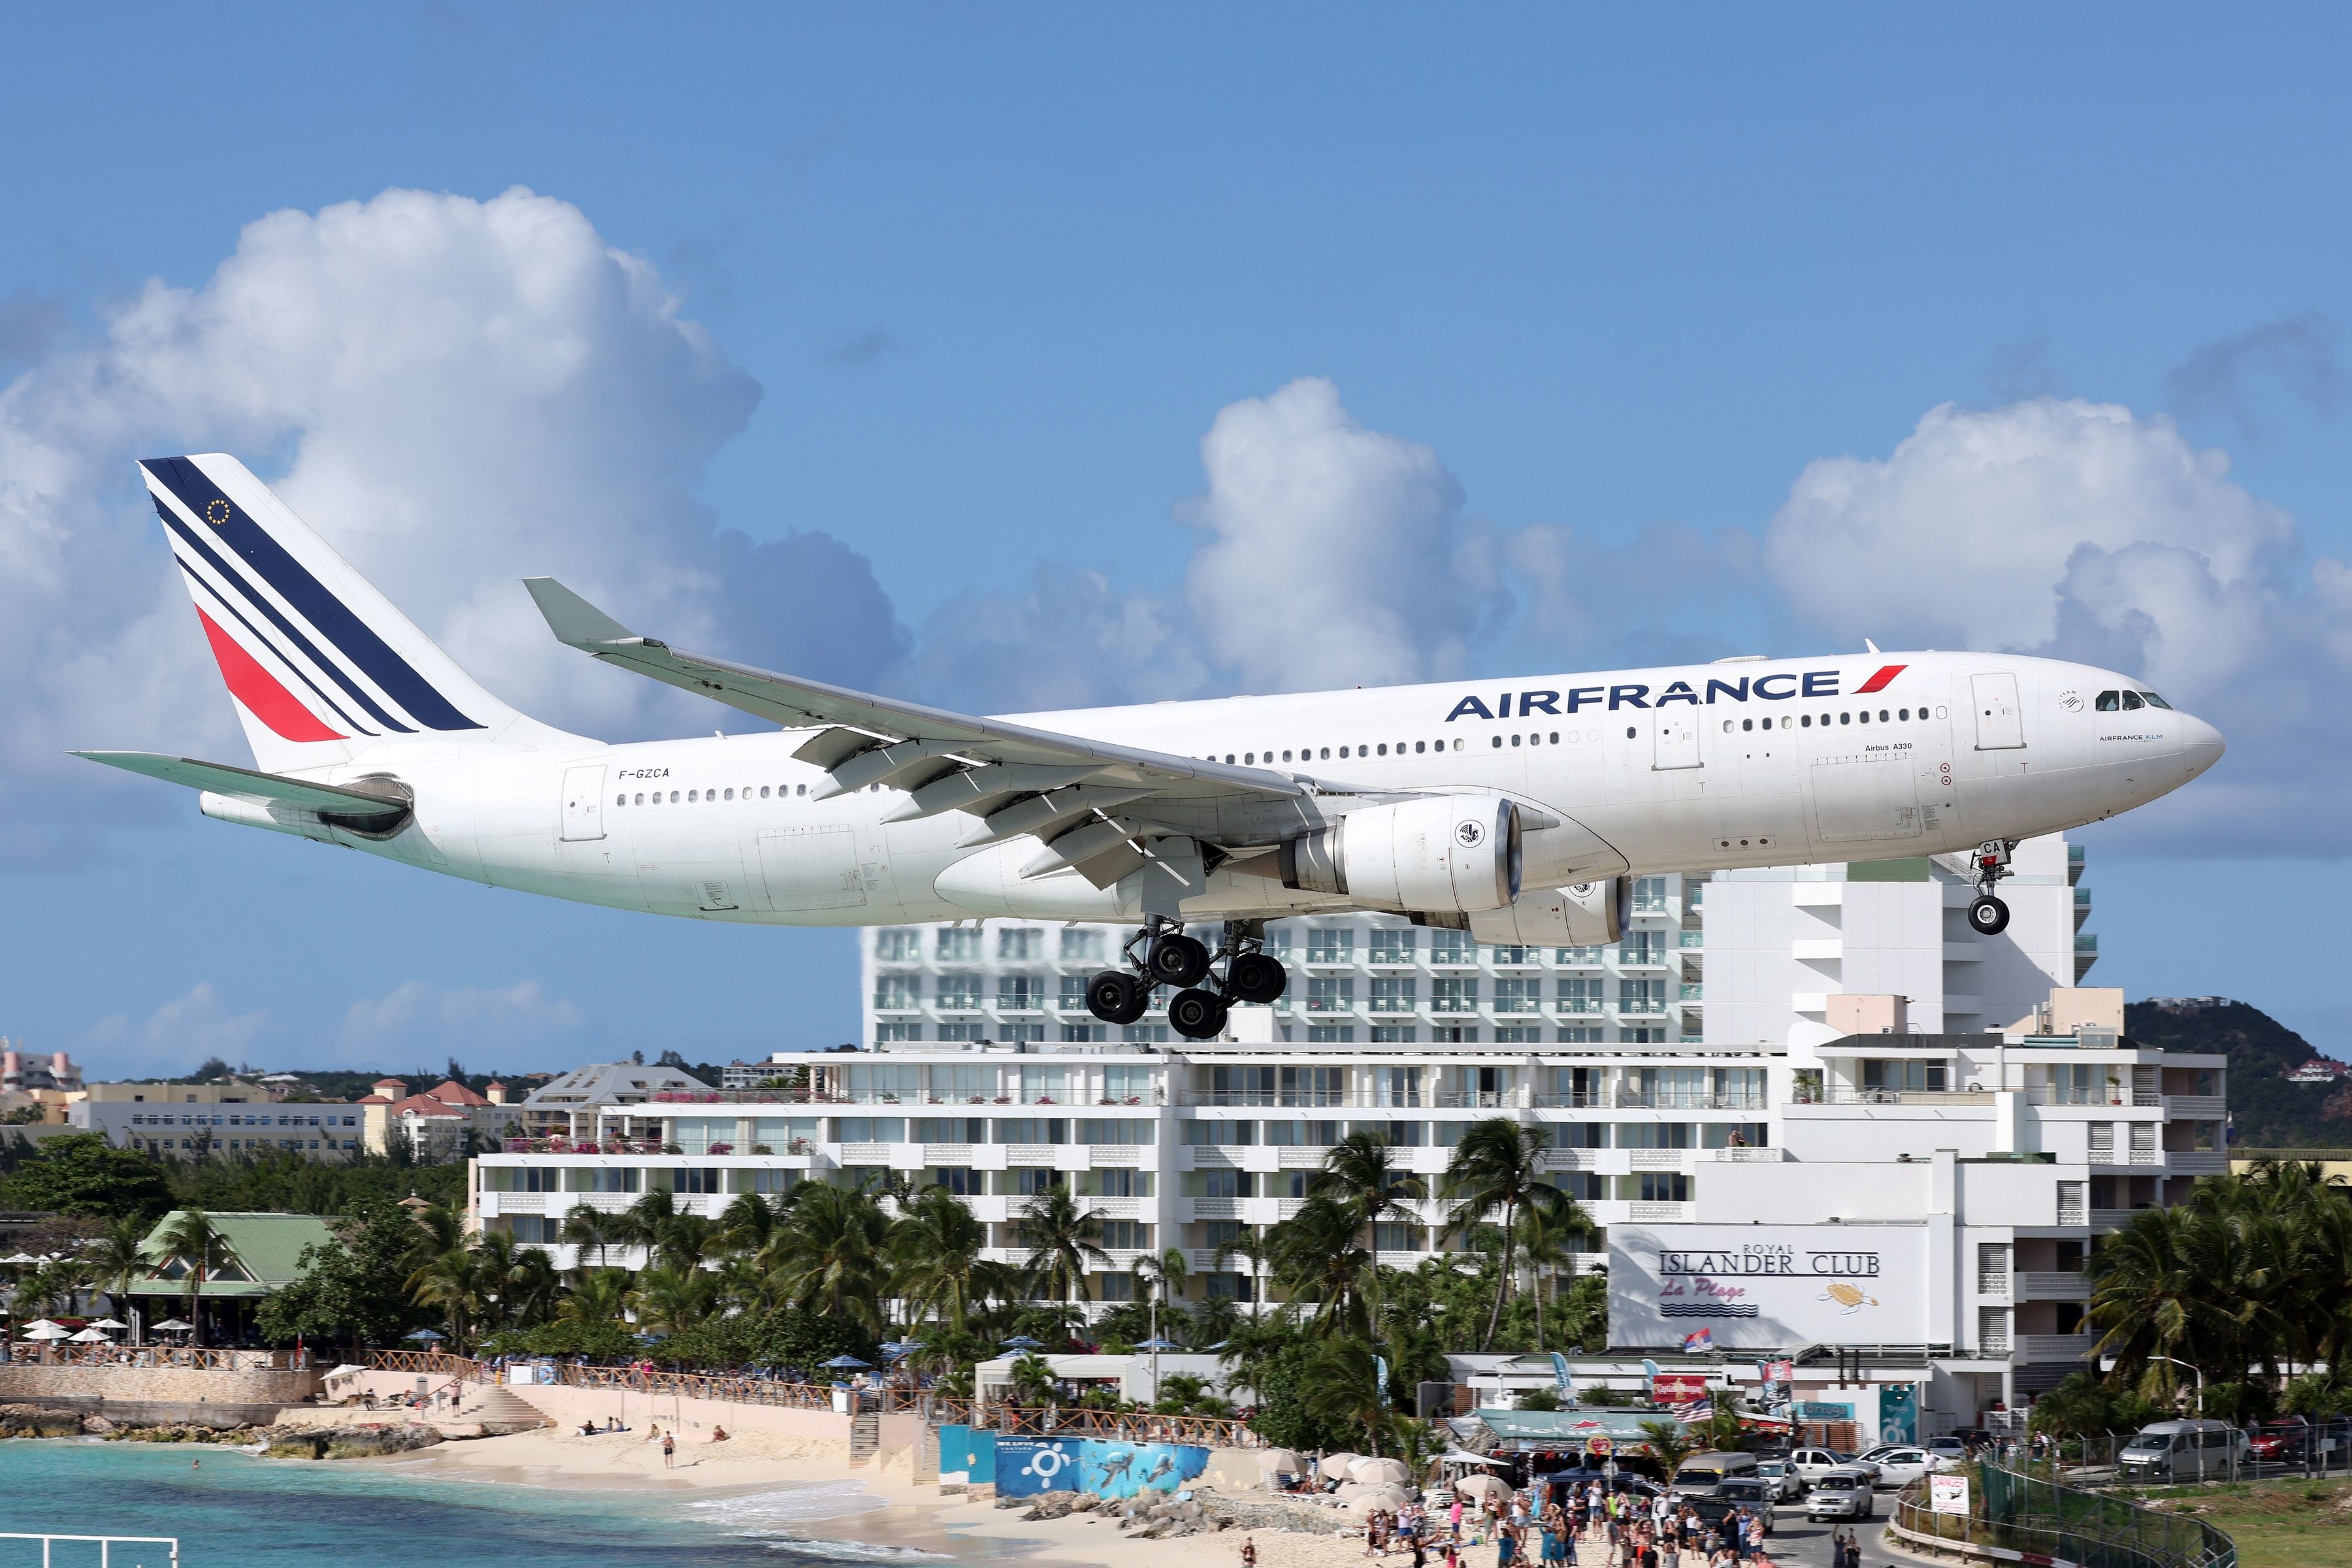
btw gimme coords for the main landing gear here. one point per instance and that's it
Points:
(1169, 957)
(1988, 916)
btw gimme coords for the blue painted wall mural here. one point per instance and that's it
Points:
(1027, 1466)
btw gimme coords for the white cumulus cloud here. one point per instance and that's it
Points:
(456, 394)
(175, 1036)
(434, 1018)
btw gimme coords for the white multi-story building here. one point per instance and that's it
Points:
(1864, 1090)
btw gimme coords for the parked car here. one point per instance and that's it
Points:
(1788, 1485)
(2184, 1451)
(1814, 1463)
(1699, 1475)
(1845, 1492)
(1951, 1449)
(2287, 1438)
(1743, 1494)
(1899, 1466)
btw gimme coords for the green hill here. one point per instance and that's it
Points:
(2265, 1110)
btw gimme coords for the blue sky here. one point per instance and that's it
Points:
(977, 285)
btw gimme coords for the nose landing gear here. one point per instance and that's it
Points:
(1169, 957)
(1988, 916)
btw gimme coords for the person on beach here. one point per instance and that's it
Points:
(1249, 1551)
(669, 1451)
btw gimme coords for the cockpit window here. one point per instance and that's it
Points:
(2153, 700)
(2131, 700)
(2107, 702)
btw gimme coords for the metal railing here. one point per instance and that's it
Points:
(105, 1544)
(177, 1358)
(2015, 1513)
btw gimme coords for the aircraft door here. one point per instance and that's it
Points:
(1677, 739)
(584, 804)
(2001, 722)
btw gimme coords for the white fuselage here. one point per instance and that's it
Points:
(1692, 768)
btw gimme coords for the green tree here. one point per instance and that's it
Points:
(937, 1247)
(1319, 1256)
(832, 1253)
(353, 1289)
(81, 1174)
(1344, 1388)
(1062, 1239)
(1669, 1444)
(1496, 1174)
(187, 1241)
(1359, 1175)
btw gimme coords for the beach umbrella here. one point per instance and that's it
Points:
(47, 1331)
(1378, 1472)
(89, 1337)
(43, 1324)
(1463, 1457)
(899, 1350)
(109, 1323)
(849, 1363)
(1159, 1344)
(425, 1335)
(1334, 1466)
(175, 1326)
(1283, 1460)
(1483, 1486)
(1348, 1491)
(1022, 1342)
(19, 1258)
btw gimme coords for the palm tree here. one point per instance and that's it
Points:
(938, 1245)
(595, 1298)
(2149, 1300)
(1249, 1350)
(670, 1298)
(1669, 1444)
(1358, 1175)
(831, 1252)
(187, 1240)
(1254, 1248)
(1545, 1234)
(1497, 1171)
(1157, 1277)
(452, 1281)
(1061, 1241)
(115, 1259)
(1344, 1387)
(1319, 1257)
(584, 1229)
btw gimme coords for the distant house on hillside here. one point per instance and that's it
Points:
(436, 1121)
(2319, 1069)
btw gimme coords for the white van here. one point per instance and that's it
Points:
(1701, 1473)
(2185, 1451)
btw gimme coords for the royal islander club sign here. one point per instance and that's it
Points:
(1767, 1287)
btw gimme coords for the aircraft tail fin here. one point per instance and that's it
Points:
(321, 667)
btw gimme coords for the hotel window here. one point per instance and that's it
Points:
(1082, 944)
(1719, 1134)
(1658, 1135)
(1123, 1084)
(1020, 992)
(1313, 1086)
(1640, 996)
(1029, 1180)
(1123, 1235)
(1219, 1134)
(898, 993)
(1031, 1130)
(1643, 947)
(1452, 947)
(1084, 1034)
(1585, 1187)
(1241, 1086)
(1302, 1134)
(962, 1181)
(1393, 1034)
(949, 1129)
(1739, 1089)
(1118, 1182)
(894, 1082)
(1578, 957)
(966, 1085)
(1649, 895)
(1328, 945)
(1453, 995)
(1218, 1182)
(1579, 1135)
(959, 992)
(1658, 1187)
(1073, 997)
(1393, 994)
(1114, 1287)
(889, 1032)
(1331, 993)
(1020, 944)
(1518, 995)
(1389, 1237)
(1895, 1076)
(1331, 1035)
(1043, 1085)
(1393, 946)
(869, 1129)
(1395, 1086)
(958, 944)
(696, 1179)
(1117, 1131)
(899, 944)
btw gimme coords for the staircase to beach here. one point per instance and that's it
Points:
(864, 1437)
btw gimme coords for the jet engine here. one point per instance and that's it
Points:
(1590, 914)
(1453, 852)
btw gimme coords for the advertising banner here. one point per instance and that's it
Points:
(967, 1456)
(1027, 1466)
(1768, 1287)
(1898, 1413)
(1948, 1494)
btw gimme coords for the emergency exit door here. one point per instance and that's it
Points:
(2001, 726)
(583, 803)
(1677, 740)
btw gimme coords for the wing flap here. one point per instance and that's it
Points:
(222, 778)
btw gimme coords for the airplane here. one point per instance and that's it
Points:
(1520, 810)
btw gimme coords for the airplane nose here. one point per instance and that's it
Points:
(2201, 744)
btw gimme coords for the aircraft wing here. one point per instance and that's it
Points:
(221, 778)
(1015, 778)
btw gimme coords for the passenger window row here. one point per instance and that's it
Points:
(707, 796)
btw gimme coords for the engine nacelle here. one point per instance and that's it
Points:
(1453, 852)
(1590, 914)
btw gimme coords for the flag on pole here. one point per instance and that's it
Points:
(1698, 1340)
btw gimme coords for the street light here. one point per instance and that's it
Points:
(2200, 1411)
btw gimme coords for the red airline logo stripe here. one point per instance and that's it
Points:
(260, 691)
(1878, 682)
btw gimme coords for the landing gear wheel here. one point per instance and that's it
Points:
(1255, 977)
(1197, 1014)
(1117, 997)
(1988, 916)
(1176, 959)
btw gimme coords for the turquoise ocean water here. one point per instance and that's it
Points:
(240, 1512)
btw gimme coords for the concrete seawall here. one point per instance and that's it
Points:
(151, 1395)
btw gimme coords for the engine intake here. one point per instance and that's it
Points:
(1590, 914)
(1455, 852)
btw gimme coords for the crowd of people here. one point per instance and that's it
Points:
(1567, 1524)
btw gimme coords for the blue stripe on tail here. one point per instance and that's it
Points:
(393, 674)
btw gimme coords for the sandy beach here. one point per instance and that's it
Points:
(880, 1507)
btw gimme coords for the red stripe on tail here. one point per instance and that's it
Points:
(1878, 682)
(260, 691)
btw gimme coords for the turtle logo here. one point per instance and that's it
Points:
(217, 512)
(1469, 834)
(1847, 1297)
